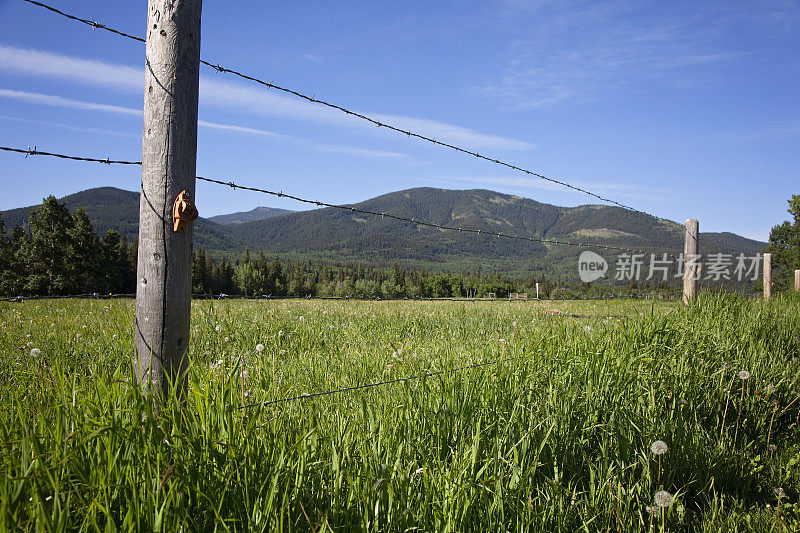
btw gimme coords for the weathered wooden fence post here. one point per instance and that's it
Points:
(767, 276)
(797, 280)
(690, 259)
(169, 152)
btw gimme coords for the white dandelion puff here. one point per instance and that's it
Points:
(587, 329)
(659, 447)
(779, 493)
(259, 347)
(35, 352)
(744, 375)
(663, 498)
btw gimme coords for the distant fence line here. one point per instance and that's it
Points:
(97, 296)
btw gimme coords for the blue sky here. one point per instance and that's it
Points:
(680, 109)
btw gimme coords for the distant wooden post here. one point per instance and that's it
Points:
(169, 152)
(767, 276)
(690, 267)
(537, 290)
(797, 280)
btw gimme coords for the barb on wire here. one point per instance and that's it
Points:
(352, 209)
(374, 121)
(88, 22)
(370, 385)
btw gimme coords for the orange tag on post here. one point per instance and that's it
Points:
(183, 212)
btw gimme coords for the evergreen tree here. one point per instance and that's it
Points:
(200, 273)
(84, 255)
(128, 267)
(784, 245)
(249, 279)
(116, 275)
(47, 252)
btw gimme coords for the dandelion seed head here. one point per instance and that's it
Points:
(663, 498)
(218, 328)
(651, 509)
(744, 375)
(772, 447)
(779, 493)
(35, 352)
(587, 329)
(259, 347)
(659, 447)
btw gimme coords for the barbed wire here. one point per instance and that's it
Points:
(376, 122)
(307, 396)
(498, 234)
(33, 151)
(372, 120)
(281, 194)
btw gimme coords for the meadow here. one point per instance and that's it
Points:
(587, 416)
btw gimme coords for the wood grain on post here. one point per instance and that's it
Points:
(767, 276)
(169, 153)
(690, 259)
(797, 280)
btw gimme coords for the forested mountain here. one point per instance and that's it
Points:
(333, 234)
(112, 208)
(259, 213)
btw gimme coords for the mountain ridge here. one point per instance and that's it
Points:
(341, 235)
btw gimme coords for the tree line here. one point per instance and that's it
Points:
(58, 253)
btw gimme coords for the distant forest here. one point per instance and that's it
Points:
(60, 254)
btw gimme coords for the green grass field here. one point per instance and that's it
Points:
(555, 437)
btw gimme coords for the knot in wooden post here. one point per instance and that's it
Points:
(184, 212)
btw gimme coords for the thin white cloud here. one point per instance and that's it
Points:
(455, 134)
(70, 127)
(581, 50)
(241, 129)
(59, 101)
(87, 71)
(353, 150)
(69, 103)
(217, 93)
